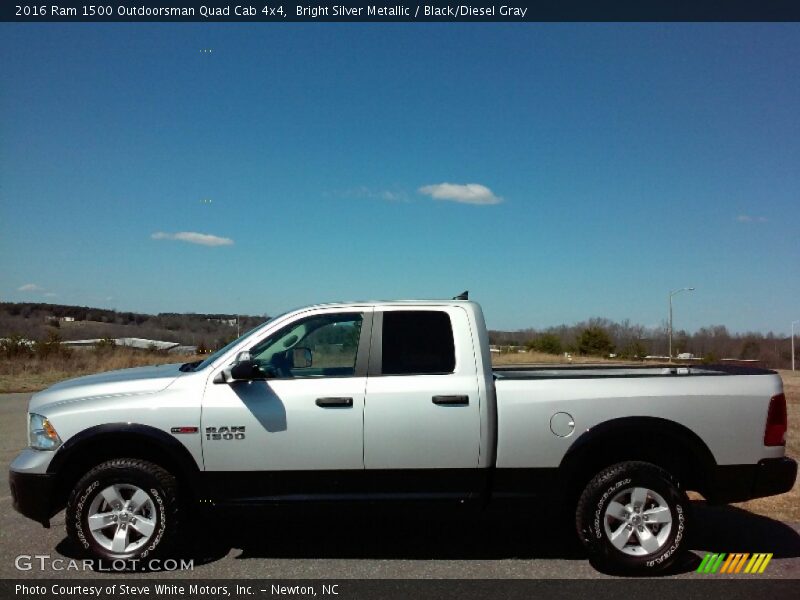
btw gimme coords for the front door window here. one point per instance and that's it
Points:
(319, 346)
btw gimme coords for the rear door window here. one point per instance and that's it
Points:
(417, 342)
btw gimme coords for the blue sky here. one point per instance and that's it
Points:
(611, 163)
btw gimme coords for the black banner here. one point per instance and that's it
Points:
(360, 11)
(109, 588)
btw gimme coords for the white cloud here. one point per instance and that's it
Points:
(51, 294)
(751, 219)
(469, 193)
(390, 196)
(372, 194)
(30, 287)
(192, 237)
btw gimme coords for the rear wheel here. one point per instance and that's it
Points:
(124, 509)
(633, 517)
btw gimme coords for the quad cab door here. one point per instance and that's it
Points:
(422, 415)
(298, 432)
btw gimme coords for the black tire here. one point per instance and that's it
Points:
(159, 485)
(593, 514)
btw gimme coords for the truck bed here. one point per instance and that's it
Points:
(710, 401)
(513, 372)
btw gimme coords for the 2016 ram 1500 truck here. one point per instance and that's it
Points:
(397, 401)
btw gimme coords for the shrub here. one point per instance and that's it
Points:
(709, 358)
(105, 345)
(14, 346)
(547, 342)
(595, 341)
(635, 349)
(52, 346)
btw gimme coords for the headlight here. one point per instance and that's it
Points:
(41, 434)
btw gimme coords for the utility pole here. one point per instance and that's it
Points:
(671, 294)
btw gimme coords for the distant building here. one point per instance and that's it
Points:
(230, 322)
(67, 319)
(129, 342)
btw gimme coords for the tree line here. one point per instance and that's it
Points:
(41, 322)
(601, 337)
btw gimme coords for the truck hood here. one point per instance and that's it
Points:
(124, 382)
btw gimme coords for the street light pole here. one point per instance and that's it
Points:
(793, 322)
(671, 294)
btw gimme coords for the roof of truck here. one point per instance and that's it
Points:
(434, 302)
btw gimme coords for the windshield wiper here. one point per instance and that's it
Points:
(190, 366)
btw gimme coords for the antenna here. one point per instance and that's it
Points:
(462, 296)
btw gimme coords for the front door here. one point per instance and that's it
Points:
(298, 433)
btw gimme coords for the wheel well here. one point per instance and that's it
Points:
(664, 443)
(92, 450)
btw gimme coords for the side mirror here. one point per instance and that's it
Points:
(301, 358)
(245, 370)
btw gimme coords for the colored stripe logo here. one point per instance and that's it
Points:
(736, 563)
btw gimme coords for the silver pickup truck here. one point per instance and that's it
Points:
(397, 402)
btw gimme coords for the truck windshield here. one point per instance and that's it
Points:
(211, 358)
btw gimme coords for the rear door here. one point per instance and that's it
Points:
(421, 414)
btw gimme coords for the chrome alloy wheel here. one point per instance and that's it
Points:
(637, 521)
(122, 518)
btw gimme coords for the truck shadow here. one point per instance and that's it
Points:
(493, 535)
(731, 529)
(388, 536)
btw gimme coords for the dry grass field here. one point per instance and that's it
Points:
(540, 358)
(32, 373)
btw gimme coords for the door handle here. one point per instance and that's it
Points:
(331, 402)
(451, 400)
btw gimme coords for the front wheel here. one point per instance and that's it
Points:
(123, 509)
(633, 517)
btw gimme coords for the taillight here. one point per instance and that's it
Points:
(775, 431)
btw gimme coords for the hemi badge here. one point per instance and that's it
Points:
(184, 430)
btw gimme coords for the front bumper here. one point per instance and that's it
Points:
(737, 483)
(32, 495)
